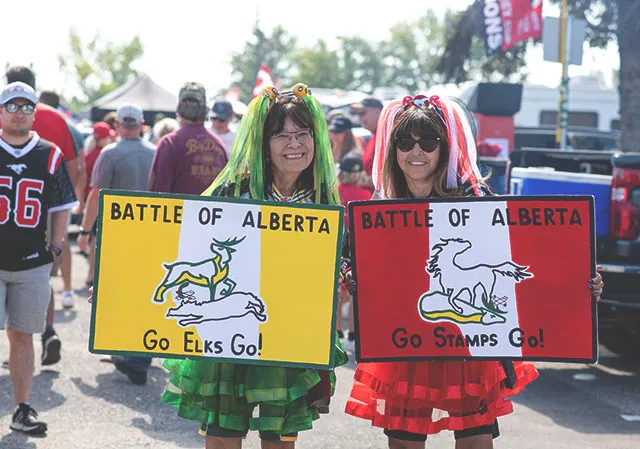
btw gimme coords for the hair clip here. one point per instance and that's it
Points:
(301, 90)
(271, 92)
(422, 101)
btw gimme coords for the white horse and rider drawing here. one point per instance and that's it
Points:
(472, 294)
(203, 290)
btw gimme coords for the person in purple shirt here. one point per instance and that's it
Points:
(189, 159)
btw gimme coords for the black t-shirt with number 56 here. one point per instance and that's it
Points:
(34, 181)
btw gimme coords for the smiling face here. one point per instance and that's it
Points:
(416, 169)
(291, 150)
(418, 165)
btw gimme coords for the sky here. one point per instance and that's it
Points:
(195, 43)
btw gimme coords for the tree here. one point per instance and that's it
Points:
(317, 66)
(408, 59)
(99, 66)
(355, 65)
(363, 68)
(413, 52)
(464, 56)
(608, 21)
(272, 50)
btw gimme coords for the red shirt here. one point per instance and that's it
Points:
(90, 161)
(348, 193)
(51, 126)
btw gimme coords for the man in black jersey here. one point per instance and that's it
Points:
(34, 181)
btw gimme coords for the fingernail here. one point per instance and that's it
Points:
(591, 287)
(590, 281)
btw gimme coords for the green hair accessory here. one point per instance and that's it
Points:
(246, 153)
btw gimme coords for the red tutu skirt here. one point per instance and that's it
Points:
(428, 397)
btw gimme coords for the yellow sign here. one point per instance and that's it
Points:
(226, 279)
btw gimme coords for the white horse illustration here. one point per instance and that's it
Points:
(476, 282)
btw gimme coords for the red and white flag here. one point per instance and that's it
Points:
(487, 277)
(508, 22)
(263, 80)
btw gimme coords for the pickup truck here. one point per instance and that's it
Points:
(614, 179)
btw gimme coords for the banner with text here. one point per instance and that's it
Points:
(486, 278)
(507, 22)
(226, 279)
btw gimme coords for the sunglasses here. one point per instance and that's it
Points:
(428, 145)
(27, 109)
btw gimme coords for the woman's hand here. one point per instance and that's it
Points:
(596, 285)
(90, 298)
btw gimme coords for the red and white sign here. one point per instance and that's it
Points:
(263, 80)
(508, 22)
(486, 278)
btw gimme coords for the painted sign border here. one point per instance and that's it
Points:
(215, 199)
(354, 205)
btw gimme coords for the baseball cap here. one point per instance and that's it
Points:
(222, 109)
(340, 124)
(130, 114)
(102, 130)
(368, 102)
(193, 91)
(18, 90)
(351, 164)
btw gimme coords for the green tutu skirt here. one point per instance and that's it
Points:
(227, 395)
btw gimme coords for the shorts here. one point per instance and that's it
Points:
(491, 429)
(220, 432)
(24, 299)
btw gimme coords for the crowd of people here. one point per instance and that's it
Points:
(300, 155)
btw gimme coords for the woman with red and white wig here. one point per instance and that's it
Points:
(425, 148)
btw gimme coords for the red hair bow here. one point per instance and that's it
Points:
(421, 100)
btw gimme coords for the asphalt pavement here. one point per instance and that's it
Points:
(87, 404)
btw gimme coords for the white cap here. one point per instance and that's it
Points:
(131, 112)
(18, 90)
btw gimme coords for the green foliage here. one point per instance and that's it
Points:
(317, 66)
(98, 66)
(465, 58)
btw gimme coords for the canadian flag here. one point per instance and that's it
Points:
(263, 79)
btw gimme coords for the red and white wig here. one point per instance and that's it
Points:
(463, 157)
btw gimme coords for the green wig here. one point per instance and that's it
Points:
(247, 152)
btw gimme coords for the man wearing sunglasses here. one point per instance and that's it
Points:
(34, 181)
(51, 126)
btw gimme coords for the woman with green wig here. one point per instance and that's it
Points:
(281, 153)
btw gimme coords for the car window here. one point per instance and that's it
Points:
(593, 142)
(534, 140)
